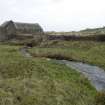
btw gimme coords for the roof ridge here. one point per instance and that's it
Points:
(24, 23)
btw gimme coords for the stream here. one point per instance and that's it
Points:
(95, 74)
(24, 51)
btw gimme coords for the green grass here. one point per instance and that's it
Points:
(37, 81)
(85, 51)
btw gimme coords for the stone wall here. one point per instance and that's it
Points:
(3, 36)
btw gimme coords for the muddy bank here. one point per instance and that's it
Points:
(99, 37)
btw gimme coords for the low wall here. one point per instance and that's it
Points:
(73, 37)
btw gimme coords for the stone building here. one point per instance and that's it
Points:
(16, 30)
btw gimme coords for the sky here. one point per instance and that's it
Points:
(55, 15)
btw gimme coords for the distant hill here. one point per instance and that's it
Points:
(86, 32)
(93, 31)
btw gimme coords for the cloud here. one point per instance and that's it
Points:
(56, 1)
(58, 15)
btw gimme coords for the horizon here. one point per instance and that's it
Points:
(54, 30)
(55, 15)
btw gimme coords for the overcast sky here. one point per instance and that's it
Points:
(55, 15)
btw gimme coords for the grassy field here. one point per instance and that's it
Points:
(85, 51)
(37, 81)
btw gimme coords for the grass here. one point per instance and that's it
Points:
(100, 98)
(84, 51)
(37, 81)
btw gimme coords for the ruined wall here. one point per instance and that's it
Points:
(10, 30)
(3, 36)
(19, 31)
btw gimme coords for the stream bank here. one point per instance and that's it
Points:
(95, 74)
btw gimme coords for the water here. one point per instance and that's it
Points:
(25, 53)
(95, 74)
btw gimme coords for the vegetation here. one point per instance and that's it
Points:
(37, 81)
(84, 51)
(94, 30)
(100, 98)
(85, 32)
